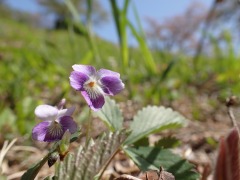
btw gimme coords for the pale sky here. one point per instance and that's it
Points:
(157, 9)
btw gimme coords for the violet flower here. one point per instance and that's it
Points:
(55, 123)
(95, 84)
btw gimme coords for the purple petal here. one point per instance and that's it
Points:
(54, 135)
(85, 69)
(66, 112)
(96, 102)
(40, 130)
(46, 112)
(67, 123)
(77, 80)
(105, 72)
(112, 85)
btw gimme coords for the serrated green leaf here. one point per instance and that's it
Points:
(142, 142)
(111, 115)
(89, 160)
(167, 142)
(153, 119)
(147, 158)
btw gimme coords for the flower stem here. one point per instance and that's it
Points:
(89, 126)
(108, 162)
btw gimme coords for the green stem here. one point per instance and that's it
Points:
(89, 126)
(106, 165)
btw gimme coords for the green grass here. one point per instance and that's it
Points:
(35, 65)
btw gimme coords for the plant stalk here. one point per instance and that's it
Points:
(106, 165)
(89, 126)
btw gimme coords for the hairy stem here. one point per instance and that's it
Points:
(108, 162)
(89, 126)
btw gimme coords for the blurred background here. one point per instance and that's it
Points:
(181, 55)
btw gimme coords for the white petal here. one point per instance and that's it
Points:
(85, 69)
(46, 112)
(66, 112)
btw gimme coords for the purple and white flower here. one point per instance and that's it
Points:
(55, 123)
(95, 84)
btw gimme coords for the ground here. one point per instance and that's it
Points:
(199, 142)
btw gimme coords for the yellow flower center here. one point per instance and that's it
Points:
(93, 88)
(91, 84)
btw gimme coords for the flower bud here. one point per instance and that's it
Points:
(52, 158)
(64, 145)
(61, 103)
